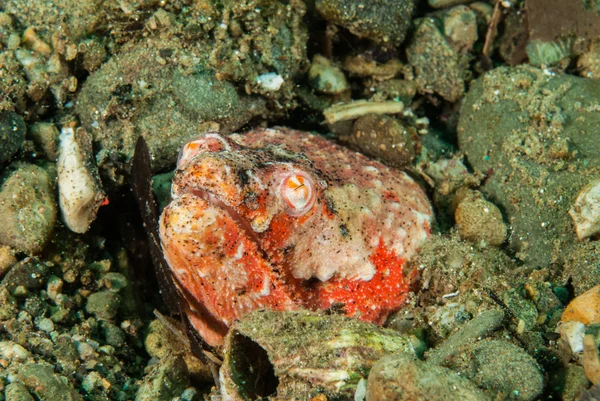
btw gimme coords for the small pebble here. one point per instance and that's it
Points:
(326, 77)
(478, 220)
(103, 304)
(85, 350)
(28, 209)
(54, 287)
(13, 351)
(114, 281)
(45, 324)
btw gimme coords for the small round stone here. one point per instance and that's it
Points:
(103, 304)
(479, 221)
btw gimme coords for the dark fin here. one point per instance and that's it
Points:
(141, 185)
(141, 175)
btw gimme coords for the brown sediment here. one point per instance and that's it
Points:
(550, 19)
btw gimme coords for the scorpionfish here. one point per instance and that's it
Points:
(283, 219)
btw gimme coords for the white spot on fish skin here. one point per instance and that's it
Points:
(266, 288)
(240, 252)
(370, 169)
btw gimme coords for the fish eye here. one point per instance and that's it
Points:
(211, 142)
(298, 193)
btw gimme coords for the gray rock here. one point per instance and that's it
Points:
(165, 380)
(388, 382)
(383, 21)
(17, 392)
(139, 96)
(436, 64)
(536, 137)
(12, 134)
(112, 334)
(103, 304)
(480, 327)
(501, 368)
(27, 208)
(45, 384)
(30, 273)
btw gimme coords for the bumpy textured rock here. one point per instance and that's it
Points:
(164, 381)
(103, 304)
(402, 377)
(383, 137)
(383, 21)
(27, 208)
(45, 384)
(479, 221)
(133, 95)
(435, 62)
(478, 328)
(30, 273)
(12, 134)
(501, 368)
(536, 138)
(16, 391)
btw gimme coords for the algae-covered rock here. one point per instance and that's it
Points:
(17, 392)
(437, 66)
(501, 368)
(383, 21)
(164, 381)
(261, 44)
(141, 93)
(536, 138)
(478, 220)
(103, 304)
(480, 327)
(45, 384)
(389, 380)
(12, 134)
(27, 208)
(161, 342)
(300, 354)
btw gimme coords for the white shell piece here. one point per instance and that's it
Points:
(270, 81)
(78, 192)
(585, 212)
(572, 333)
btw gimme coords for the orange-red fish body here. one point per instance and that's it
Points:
(283, 219)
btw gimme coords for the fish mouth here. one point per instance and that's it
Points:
(241, 222)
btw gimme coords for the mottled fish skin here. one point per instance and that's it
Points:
(283, 219)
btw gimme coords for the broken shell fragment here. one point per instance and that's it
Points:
(585, 212)
(300, 354)
(79, 189)
(584, 308)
